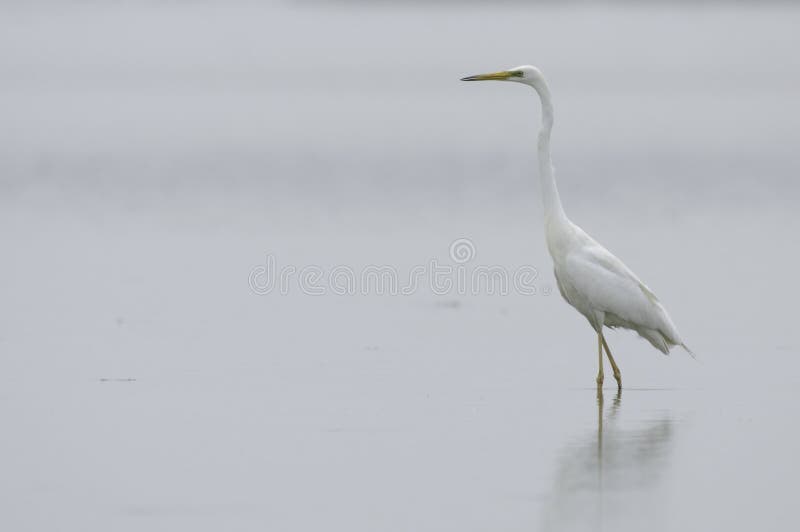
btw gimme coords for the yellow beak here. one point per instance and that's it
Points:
(505, 74)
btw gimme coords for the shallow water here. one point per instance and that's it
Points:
(143, 385)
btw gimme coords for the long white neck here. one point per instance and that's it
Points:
(553, 211)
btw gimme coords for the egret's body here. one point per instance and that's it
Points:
(590, 278)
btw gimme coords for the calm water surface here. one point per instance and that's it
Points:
(152, 156)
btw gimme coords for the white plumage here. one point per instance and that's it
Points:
(606, 292)
(590, 278)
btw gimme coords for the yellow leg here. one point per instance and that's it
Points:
(600, 360)
(617, 373)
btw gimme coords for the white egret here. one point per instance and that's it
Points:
(589, 277)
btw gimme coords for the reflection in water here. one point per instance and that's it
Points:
(608, 479)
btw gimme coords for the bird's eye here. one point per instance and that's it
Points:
(518, 74)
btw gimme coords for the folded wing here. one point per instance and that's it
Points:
(604, 284)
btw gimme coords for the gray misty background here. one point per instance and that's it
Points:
(153, 153)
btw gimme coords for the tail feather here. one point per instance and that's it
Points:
(686, 348)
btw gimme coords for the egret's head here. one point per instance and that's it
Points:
(530, 75)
